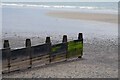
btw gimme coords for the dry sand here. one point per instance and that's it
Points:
(110, 18)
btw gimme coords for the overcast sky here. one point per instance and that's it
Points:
(60, 0)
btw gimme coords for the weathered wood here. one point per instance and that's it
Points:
(58, 58)
(4, 57)
(80, 36)
(59, 50)
(6, 44)
(18, 64)
(71, 56)
(65, 41)
(19, 67)
(33, 58)
(48, 41)
(19, 55)
(26, 62)
(28, 43)
(40, 50)
(28, 46)
(40, 58)
(75, 48)
(41, 54)
(37, 60)
(64, 38)
(7, 47)
(61, 53)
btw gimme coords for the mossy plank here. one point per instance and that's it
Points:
(75, 48)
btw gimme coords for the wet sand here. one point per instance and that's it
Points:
(110, 18)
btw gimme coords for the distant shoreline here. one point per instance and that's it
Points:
(110, 18)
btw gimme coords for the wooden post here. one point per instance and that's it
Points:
(6, 44)
(66, 44)
(28, 43)
(64, 38)
(48, 41)
(80, 37)
(28, 46)
(7, 47)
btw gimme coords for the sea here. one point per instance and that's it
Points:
(99, 7)
(30, 19)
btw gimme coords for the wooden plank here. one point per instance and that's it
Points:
(75, 56)
(21, 54)
(16, 65)
(40, 63)
(58, 55)
(4, 63)
(27, 62)
(19, 59)
(26, 65)
(58, 58)
(15, 68)
(39, 55)
(27, 59)
(20, 65)
(5, 70)
(59, 47)
(5, 66)
(40, 50)
(35, 61)
(39, 58)
(75, 48)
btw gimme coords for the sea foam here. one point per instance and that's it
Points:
(51, 6)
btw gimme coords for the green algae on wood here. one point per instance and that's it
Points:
(56, 48)
(75, 48)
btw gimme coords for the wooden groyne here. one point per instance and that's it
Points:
(47, 53)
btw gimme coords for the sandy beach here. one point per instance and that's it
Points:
(100, 58)
(110, 18)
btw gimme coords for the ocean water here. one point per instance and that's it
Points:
(104, 7)
(24, 19)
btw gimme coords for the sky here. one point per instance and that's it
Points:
(60, 0)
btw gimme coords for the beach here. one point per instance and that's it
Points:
(110, 18)
(100, 60)
(100, 35)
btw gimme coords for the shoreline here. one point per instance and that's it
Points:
(100, 42)
(109, 18)
(17, 40)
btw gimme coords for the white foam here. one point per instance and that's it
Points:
(51, 6)
(99, 9)
(12, 4)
